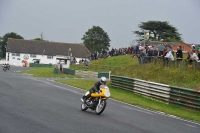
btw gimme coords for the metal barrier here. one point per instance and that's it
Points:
(68, 71)
(169, 94)
(104, 74)
(178, 62)
(40, 65)
(56, 70)
(86, 73)
(185, 97)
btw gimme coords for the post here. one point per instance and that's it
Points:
(144, 39)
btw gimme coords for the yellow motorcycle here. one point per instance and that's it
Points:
(97, 101)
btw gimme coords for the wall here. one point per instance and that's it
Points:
(17, 60)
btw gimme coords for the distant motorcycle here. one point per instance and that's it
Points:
(97, 101)
(4, 68)
(8, 67)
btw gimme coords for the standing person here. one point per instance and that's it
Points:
(198, 55)
(164, 52)
(157, 52)
(193, 55)
(193, 47)
(169, 55)
(179, 53)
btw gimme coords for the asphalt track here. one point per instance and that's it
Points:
(39, 105)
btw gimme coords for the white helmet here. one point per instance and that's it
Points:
(103, 80)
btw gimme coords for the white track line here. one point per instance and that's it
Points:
(137, 110)
(190, 125)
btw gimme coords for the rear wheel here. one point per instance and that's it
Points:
(100, 107)
(83, 107)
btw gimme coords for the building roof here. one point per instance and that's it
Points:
(46, 48)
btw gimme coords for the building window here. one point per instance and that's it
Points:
(182, 48)
(15, 54)
(33, 55)
(49, 57)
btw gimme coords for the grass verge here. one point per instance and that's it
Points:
(126, 65)
(47, 72)
(135, 99)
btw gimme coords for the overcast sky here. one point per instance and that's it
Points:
(68, 20)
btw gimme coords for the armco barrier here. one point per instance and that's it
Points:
(152, 89)
(169, 94)
(68, 71)
(142, 87)
(185, 97)
(40, 65)
(86, 73)
(56, 70)
(103, 74)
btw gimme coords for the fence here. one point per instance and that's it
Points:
(68, 71)
(179, 62)
(40, 65)
(168, 94)
(86, 73)
(93, 66)
(56, 70)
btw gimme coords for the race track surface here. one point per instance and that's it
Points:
(39, 105)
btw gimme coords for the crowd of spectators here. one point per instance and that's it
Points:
(144, 53)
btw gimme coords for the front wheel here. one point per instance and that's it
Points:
(100, 107)
(83, 107)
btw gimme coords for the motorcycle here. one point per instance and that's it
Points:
(4, 68)
(97, 101)
(8, 67)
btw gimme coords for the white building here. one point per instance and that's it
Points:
(43, 52)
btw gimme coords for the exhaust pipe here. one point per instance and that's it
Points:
(82, 100)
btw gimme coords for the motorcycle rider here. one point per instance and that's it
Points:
(8, 66)
(4, 65)
(94, 89)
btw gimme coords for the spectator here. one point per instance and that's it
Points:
(142, 56)
(193, 55)
(157, 52)
(179, 53)
(164, 52)
(86, 63)
(198, 55)
(193, 47)
(169, 55)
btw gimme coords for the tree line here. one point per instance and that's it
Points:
(97, 40)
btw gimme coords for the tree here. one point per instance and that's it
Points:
(38, 39)
(41, 37)
(158, 31)
(96, 39)
(4, 39)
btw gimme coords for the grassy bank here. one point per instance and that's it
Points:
(105, 65)
(135, 99)
(125, 65)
